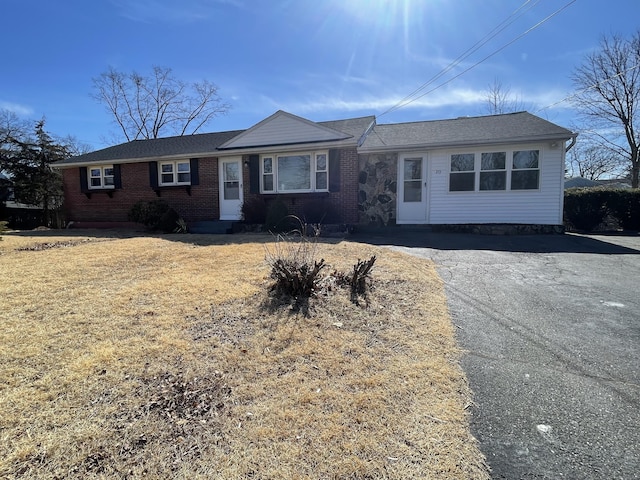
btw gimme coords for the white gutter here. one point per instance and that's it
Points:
(467, 143)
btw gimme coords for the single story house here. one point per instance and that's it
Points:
(497, 169)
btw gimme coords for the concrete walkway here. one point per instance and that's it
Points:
(551, 324)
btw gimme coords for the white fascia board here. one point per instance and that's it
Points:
(471, 143)
(136, 160)
(294, 147)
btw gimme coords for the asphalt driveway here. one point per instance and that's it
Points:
(551, 326)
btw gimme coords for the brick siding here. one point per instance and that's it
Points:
(202, 204)
(344, 202)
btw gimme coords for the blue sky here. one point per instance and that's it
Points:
(320, 59)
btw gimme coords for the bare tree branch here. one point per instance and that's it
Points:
(608, 92)
(158, 104)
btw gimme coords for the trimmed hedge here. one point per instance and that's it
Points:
(586, 209)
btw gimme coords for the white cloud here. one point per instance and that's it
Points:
(20, 110)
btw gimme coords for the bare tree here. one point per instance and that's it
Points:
(499, 100)
(608, 97)
(594, 161)
(11, 126)
(158, 104)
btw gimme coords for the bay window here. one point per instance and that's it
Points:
(294, 172)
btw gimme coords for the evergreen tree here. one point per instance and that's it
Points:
(27, 163)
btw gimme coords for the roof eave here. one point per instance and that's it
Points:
(153, 158)
(469, 143)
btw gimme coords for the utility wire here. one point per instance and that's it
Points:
(596, 85)
(404, 103)
(475, 47)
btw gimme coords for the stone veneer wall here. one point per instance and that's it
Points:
(377, 187)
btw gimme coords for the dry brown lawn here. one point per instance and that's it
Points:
(164, 357)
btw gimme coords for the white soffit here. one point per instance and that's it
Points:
(283, 128)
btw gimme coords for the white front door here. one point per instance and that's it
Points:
(230, 174)
(412, 188)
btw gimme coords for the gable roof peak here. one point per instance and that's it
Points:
(284, 128)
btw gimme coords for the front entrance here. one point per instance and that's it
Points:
(230, 174)
(412, 188)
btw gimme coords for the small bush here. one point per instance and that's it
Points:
(298, 273)
(319, 211)
(294, 264)
(277, 219)
(168, 221)
(148, 213)
(254, 210)
(155, 215)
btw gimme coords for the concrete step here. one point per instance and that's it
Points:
(214, 227)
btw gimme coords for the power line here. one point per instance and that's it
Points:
(596, 85)
(404, 103)
(483, 41)
(475, 47)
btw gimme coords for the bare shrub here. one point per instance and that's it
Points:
(294, 264)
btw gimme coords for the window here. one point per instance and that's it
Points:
(412, 180)
(267, 174)
(300, 172)
(322, 167)
(525, 174)
(101, 177)
(175, 173)
(462, 176)
(493, 173)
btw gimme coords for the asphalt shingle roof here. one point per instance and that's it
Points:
(193, 145)
(508, 128)
(187, 145)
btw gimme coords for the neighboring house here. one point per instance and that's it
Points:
(499, 169)
(580, 182)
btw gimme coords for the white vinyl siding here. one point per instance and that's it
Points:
(542, 205)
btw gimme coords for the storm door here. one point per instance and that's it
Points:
(412, 188)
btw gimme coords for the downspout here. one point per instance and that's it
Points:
(569, 147)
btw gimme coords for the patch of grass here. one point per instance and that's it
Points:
(156, 356)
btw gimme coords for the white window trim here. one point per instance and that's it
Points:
(174, 172)
(508, 168)
(102, 177)
(313, 171)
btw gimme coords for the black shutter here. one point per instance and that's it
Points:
(84, 186)
(334, 170)
(153, 174)
(254, 173)
(117, 176)
(195, 176)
